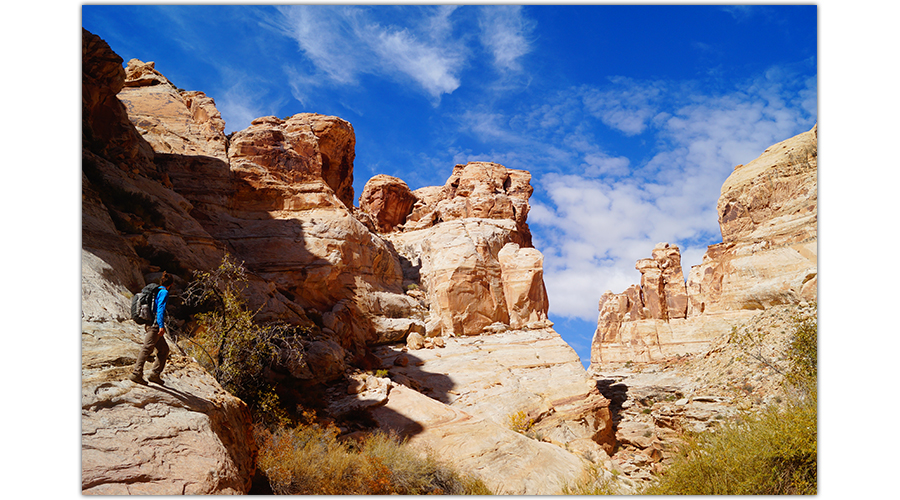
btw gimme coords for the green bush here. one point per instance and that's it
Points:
(310, 460)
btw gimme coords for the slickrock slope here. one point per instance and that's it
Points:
(508, 462)
(189, 437)
(495, 376)
(768, 257)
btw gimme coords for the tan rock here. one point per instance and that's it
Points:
(457, 265)
(768, 217)
(388, 200)
(522, 273)
(188, 437)
(508, 462)
(172, 121)
(495, 376)
(415, 341)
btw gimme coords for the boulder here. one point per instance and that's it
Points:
(388, 200)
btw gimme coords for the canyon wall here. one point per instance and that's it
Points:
(164, 188)
(768, 256)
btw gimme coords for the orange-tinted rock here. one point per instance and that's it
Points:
(388, 200)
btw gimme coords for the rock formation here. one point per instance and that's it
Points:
(388, 200)
(450, 244)
(165, 189)
(768, 257)
(190, 437)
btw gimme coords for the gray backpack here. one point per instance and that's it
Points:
(143, 305)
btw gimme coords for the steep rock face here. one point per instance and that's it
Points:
(276, 197)
(768, 216)
(190, 437)
(522, 274)
(450, 244)
(768, 256)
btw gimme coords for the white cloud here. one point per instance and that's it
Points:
(344, 42)
(628, 106)
(504, 32)
(593, 226)
(432, 67)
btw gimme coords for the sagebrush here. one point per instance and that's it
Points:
(311, 460)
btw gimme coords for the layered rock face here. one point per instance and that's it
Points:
(768, 216)
(451, 241)
(275, 196)
(768, 257)
(165, 189)
(191, 436)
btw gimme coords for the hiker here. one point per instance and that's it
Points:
(154, 338)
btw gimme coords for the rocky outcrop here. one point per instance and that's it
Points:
(768, 216)
(479, 388)
(190, 436)
(388, 200)
(165, 189)
(450, 245)
(522, 274)
(768, 257)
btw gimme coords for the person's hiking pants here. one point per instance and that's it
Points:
(152, 340)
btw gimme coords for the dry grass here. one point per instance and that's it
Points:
(310, 460)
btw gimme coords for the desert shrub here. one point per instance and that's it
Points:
(520, 422)
(234, 348)
(310, 460)
(774, 452)
(592, 481)
(802, 354)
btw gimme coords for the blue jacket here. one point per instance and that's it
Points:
(162, 297)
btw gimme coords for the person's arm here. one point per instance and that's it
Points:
(161, 301)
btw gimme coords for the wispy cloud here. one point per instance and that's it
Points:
(505, 32)
(344, 42)
(628, 106)
(595, 228)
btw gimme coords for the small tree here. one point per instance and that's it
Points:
(228, 342)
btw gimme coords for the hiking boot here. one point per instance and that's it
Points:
(156, 379)
(137, 379)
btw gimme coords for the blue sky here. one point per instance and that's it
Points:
(628, 117)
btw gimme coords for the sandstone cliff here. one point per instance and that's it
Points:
(190, 437)
(445, 270)
(768, 257)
